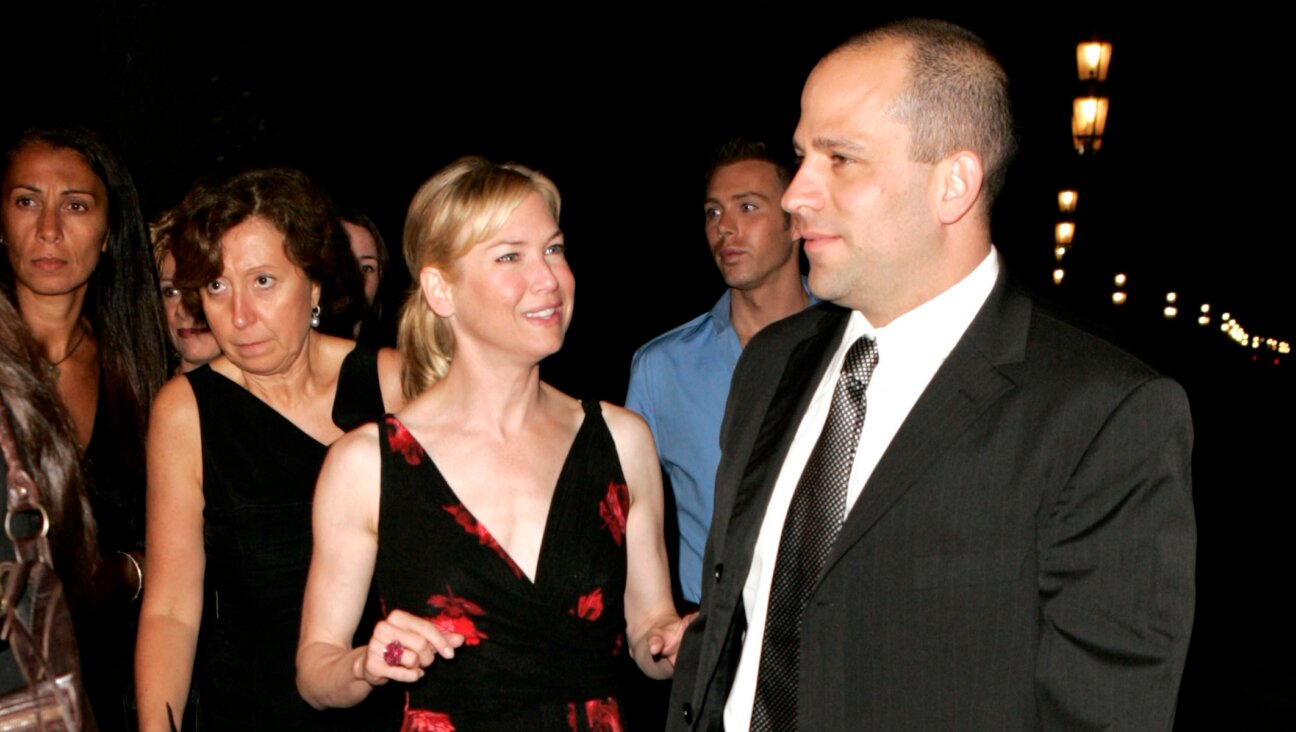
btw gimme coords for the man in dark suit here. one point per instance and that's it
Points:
(937, 507)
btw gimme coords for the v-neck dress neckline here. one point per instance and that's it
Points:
(536, 655)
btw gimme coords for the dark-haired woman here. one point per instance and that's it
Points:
(370, 250)
(234, 450)
(78, 268)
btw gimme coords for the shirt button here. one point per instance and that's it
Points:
(719, 572)
(688, 713)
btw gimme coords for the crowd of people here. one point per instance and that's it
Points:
(274, 519)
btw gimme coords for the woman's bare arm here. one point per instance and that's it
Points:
(172, 609)
(389, 379)
(653, 627)
(330, 673)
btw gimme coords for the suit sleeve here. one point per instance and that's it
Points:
(1117, 549)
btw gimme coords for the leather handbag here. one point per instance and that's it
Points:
(34, 618)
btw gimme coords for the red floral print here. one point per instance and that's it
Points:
(603, 715)
(469, 523)
(403, 442)
(422, 720)
(455, 616)
(571, 717)
(589, 606)
(613, 510)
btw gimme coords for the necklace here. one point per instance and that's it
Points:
(54, 367)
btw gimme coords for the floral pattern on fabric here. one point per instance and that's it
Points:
(613, 510)
(422, 720)
(403, 442)
(465, 519)
(603, 715)
(589, 606)
(456, 616)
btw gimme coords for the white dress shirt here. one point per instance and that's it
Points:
(910, 350)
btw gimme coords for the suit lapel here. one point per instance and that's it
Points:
(734, 539)
(965, 386)
(804, 370)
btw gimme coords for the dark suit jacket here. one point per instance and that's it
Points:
(1022, 556)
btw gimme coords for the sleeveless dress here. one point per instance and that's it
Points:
(539, 655)
(259, 473)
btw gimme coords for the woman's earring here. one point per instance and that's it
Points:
(315, 313)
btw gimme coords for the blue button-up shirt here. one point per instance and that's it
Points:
(679, 382)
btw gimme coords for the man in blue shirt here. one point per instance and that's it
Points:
(679, 381)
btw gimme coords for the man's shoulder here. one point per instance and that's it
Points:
(793, 329)
(1072, 350)
(688, 335)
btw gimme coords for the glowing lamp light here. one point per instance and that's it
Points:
(1203, 320)
(1092, 60)
(1206, 308)
(1171, 311)
(1224, 327)
(1059, 253)
(1118, 298)
(1088, 122)
(1067, 201)
(1172, 296)
(1226, 317)
(1058, 274)
(1120, 280)
(1063, 233)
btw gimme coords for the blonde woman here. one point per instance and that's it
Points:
(514, 532)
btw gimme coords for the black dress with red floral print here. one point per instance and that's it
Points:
(539, 655)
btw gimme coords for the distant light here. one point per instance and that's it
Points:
(1059, 253)
(1058, 274)
(1203, 320)
(1092, 60)
(1118, 297)
(1064, 232)
(1120, 280)
(1255, 342)
(1067, 201)
(1088, 122)
(1171, 311)
(1206, 308)
(1226, 317)
(1224, 327)
(1171, 296)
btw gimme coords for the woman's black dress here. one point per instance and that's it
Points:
(537, 655)
(259, 473)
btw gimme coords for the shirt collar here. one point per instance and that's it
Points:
(720, 311)
(933, 328)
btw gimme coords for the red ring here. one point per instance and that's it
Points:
(392, 653)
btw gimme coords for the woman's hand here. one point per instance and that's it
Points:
(664, 639)
(420, 642)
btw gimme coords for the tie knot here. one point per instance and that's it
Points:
(861, 359)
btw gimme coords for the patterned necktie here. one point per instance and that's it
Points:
(812, 524)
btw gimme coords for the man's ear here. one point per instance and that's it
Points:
(959, 178)
(437, 291)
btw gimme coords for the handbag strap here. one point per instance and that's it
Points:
(23, 496)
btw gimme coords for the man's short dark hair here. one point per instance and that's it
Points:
(956, 97)
(741, 149)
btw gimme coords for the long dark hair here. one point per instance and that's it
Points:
(375, 330)
(121, 301)
(45, 438)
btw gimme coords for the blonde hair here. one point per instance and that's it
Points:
(464, 204)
